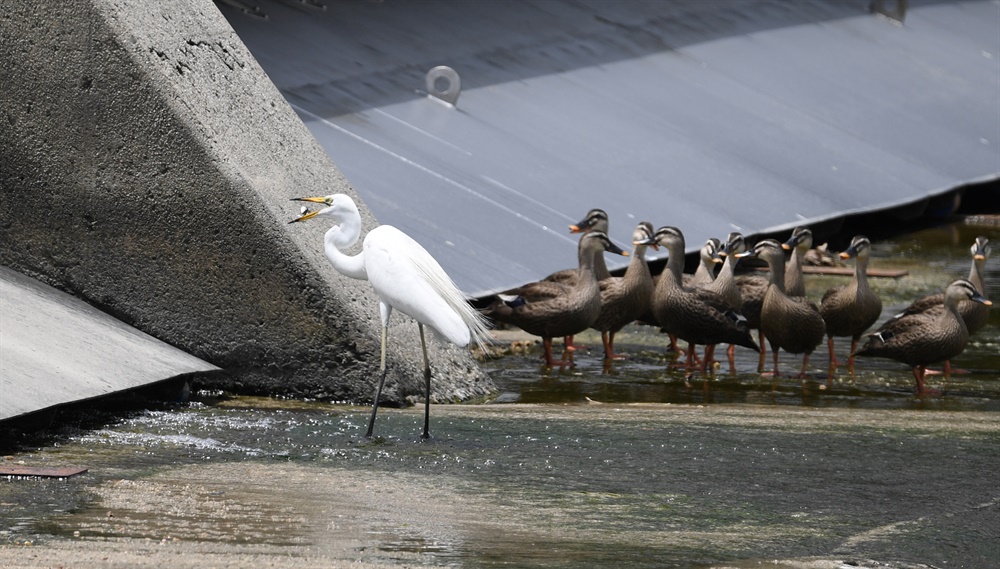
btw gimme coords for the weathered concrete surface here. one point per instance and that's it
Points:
(147, 167)
(56, 349)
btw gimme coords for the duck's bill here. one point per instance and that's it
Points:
(612, 248)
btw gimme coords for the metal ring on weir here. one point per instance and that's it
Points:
(444, 74)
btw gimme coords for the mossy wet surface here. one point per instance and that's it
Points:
(642, 466)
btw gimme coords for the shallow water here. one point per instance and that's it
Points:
(639, 465)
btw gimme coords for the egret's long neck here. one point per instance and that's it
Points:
(341, 237)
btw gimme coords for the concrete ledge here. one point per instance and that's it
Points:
(56, 349)
(148, 162)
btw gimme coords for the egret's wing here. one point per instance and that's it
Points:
(406, 276)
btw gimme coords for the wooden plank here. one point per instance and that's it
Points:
(41, 471)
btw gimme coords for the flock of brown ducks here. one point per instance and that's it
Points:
(708, 309)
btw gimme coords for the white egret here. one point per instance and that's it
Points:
(405, 277)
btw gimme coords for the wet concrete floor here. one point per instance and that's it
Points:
(640, 466)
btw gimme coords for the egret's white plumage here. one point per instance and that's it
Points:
(405, 277)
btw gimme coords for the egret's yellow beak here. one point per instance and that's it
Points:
(308, 214)
(305, 216)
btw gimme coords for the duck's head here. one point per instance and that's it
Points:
(767, 250)
(595, 220)
(642, 232)
(710, 251)
(802, 238)
(961, 290)
(981, 248)
(860, 247)
(598, 241)
(735, 244)
(665, 237)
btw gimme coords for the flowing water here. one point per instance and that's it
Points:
(638, 465)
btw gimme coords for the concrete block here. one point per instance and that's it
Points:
(147, 166)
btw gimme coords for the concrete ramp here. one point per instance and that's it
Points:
(56, 349)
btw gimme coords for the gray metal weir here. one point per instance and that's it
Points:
(754, 115)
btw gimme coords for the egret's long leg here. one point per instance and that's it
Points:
(378, 392)
(427, 381)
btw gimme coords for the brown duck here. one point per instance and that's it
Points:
(696, 316)
(725, 286)
(708, 257)
(595, 220)
(925, 337)
(754, 287)
(752, 290)
(849, 310)
(549, 309)
(799, 244)
(791, 323)
(623, 299)
(974, 314)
